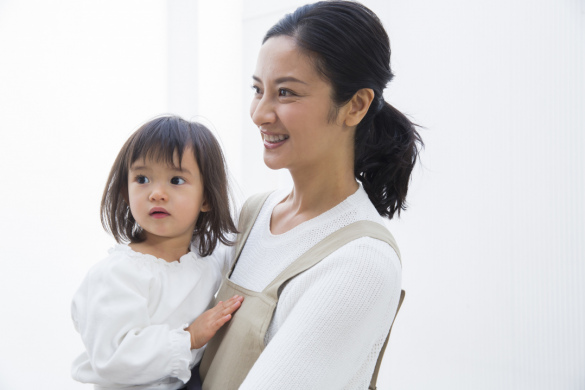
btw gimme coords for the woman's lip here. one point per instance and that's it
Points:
(272, 140)
(264, 132)
(273, 145)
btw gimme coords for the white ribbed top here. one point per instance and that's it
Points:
(331, 320)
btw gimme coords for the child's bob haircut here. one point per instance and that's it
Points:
(159, 139)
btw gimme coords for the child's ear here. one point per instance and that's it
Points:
(205, 207)
(126, 197)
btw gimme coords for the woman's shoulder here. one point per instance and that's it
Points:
(374, 258)
(364, 260)
(366, 272)
(373, 254)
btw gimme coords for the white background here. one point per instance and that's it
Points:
(493, 240)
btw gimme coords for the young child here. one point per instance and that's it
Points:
(142, 312)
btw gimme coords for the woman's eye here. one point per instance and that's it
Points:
(177, 181)
(142, 179)
(256, 90)
(284, 92)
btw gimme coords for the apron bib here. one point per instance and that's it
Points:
(234, 349)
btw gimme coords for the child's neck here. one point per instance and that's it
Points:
(167, 249)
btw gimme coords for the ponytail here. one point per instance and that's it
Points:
(386, 150)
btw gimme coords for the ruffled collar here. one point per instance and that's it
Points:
(124, 248)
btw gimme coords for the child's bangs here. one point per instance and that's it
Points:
(159, 141)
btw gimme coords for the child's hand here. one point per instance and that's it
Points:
(205, 326)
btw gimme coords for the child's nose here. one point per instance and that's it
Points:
(158, 194)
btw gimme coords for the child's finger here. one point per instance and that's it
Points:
(222, 320)
(226, 310)
(229, 309)
(234, 298)
(222, 305)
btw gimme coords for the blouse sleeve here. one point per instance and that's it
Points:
(110, 311)
(337, 312)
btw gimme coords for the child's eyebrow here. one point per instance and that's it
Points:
(181, 170)
(175, 169)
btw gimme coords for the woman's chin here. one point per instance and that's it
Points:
(272, 162)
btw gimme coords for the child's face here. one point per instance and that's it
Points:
(166, 201)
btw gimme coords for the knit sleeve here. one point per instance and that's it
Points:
(111, 313)
(333, 320)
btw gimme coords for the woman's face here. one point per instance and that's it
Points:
(292, 107)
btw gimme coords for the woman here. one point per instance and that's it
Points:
(320, 316)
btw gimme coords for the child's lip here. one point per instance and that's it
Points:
(158, 211)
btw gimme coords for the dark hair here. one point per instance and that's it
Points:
(159, 139)
(351, 50)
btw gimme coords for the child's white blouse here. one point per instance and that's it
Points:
(131, 311)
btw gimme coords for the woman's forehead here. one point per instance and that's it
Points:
(281, 58)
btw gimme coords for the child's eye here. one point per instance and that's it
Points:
(142, 179)
(177, 180)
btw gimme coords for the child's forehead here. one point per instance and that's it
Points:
(149, 162)
(165, 159)
(161, 155)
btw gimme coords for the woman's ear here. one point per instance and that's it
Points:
(358, 106)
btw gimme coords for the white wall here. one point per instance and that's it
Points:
(76, 78)
(492, 242)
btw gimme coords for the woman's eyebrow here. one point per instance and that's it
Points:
(279, 80)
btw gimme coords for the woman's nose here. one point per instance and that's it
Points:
(262, 111)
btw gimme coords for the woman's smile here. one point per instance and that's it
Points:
(272, 141)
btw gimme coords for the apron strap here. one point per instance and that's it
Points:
(248, 215)
(327, 246)
(381, 355)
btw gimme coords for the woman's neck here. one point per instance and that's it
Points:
(313, 194)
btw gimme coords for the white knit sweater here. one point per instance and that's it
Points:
(331, 321)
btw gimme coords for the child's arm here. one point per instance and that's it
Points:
(123, 346)
(112, 312)
(205, 326)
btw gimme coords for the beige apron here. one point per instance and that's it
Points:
(234, 349)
